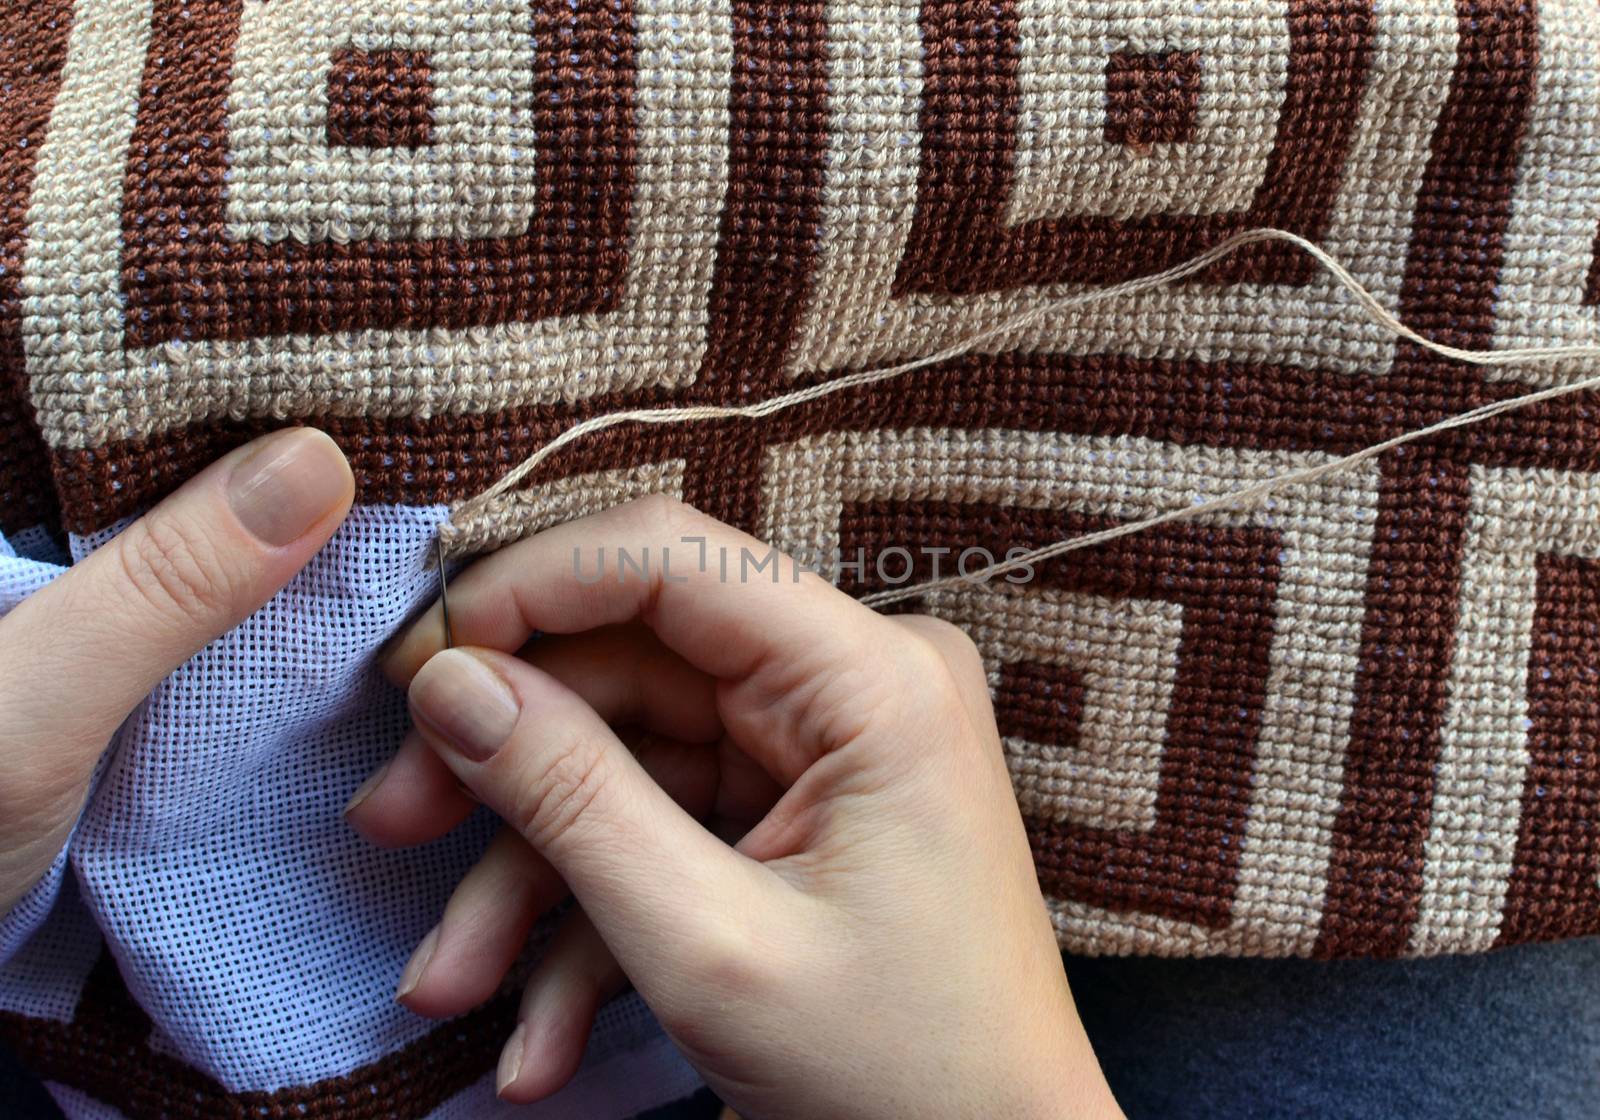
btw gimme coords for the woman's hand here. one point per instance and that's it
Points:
(80, 654)
(855, 931)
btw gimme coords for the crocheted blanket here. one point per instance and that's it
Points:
(1362, 718)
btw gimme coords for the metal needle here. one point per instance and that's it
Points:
(444, 593)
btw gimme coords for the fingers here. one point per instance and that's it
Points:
(799, 658)
(412, 799)
(628, 676)
(462, 960)
(79, 655)
(577, 976)
(624, 673)
(532, 750)
(678, 563)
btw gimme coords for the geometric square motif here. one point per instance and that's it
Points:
(1127, 127)
(455, 105)
(1160, 725)
(380, 99)
(1083, 684)
(1152, 98)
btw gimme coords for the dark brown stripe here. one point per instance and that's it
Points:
(1226, 580)
(1408, 634)
(1553, 891)
(33, 50)
(959, 242)
(106, 1053)
(184, 279)
(777, 152)
(1448, 293)
(968, 125)
(767, 243)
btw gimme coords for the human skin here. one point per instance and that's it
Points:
(855, 930)
(79, 655)
(786, 819)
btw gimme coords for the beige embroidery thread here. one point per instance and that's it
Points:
(1376, 312)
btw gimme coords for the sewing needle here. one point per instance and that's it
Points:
(444, 593)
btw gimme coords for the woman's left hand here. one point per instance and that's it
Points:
(79, 655)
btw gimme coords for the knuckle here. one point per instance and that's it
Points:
(924, 662)
(175, 568)
(727, 959)
(725, 968)
(664, 516)
(661, 522)
(954, 643)
(940, 667)
(936, 640)
(562, 792)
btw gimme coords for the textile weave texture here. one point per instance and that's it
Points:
(1359, 719)
(217, 941)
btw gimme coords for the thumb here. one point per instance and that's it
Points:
(649, 876)
(80, 654)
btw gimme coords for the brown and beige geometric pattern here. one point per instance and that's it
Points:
(1361, 718)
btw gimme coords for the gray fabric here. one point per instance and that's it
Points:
(1509, 1034)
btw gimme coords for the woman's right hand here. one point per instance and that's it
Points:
(872, 943)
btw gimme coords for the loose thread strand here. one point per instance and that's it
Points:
(1235, 499)
(1375, 312)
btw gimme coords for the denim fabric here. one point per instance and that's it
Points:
(1514, 1033)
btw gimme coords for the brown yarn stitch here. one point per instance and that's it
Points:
(1361, 719)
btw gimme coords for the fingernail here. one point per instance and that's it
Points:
(364, 790)
(457, 698)
(412, 973)
(510, 1060)
(286, 484)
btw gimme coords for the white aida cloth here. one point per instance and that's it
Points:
(263, 936)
